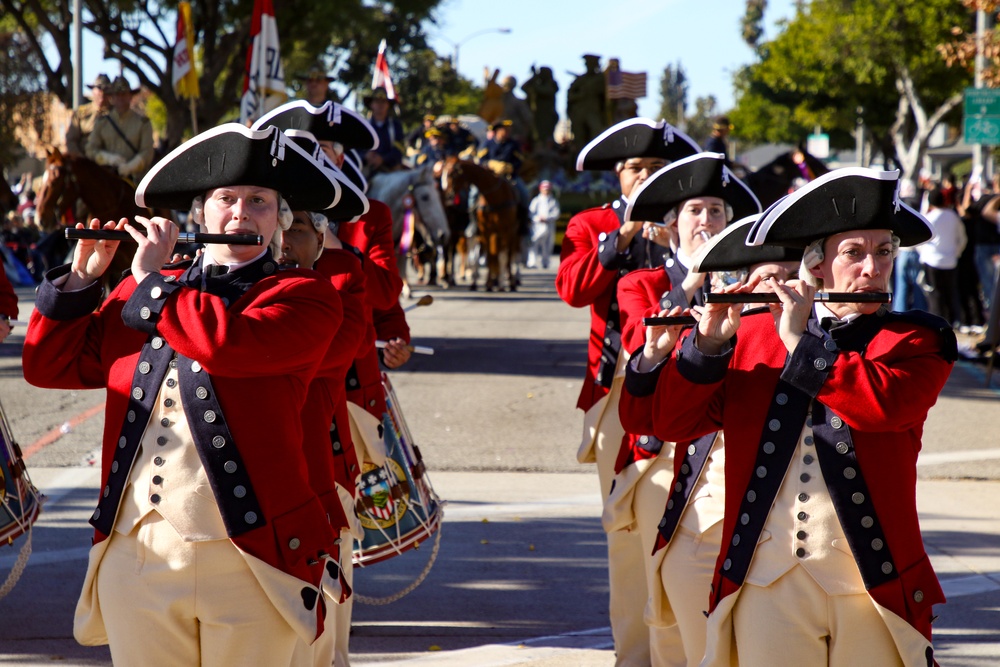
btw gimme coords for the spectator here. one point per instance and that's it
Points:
(544, 210)
(939, 257)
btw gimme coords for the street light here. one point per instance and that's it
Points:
(465, 39)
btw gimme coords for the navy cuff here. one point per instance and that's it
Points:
(810, 363)
(142, 310)
(675, 297)
(642, 383)
(607, 251)
(700, 368)
(61, 305)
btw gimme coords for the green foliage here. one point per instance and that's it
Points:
(18, 85)
(428, 84)
(673, 94)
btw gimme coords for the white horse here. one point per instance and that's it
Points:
(429, 219)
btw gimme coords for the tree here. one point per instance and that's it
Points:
(838, 56)
(140, 34)
(18, 87)
(699, 123)
(428, 84)
(673, 95)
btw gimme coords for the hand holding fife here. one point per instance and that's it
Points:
(660, 340)
(718, 322)
(792, 314)
(155, 246)
(92, 258)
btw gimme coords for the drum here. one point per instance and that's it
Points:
(396, 504)
(19, 500)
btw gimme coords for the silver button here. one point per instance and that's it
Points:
(691, 450)
(774, 424)
(144, 367)
(114, 466)
(240, 491)
(850, 473)
(643, 439)
(107, 491)
(808, 440)
(670, 262)
(195, 366)
(169, 402)
(97, 514)
(807, 459)
(685, 469)
(294, 543)
(830, 345)
(877, 544)
(761, 471)
(670, 503)
(218, 442)
(145, 313)
(156, 292)
(887, 568)
(667, 304)
(602, 236)
(858, 498)
(836, 422)
(158, 461)
(170, 279)
(336, 445)
(229, 466)
(842, 448)
(209, 416)
(736, 540)
(918, 596)
(663, 522)
(201, 393)
(781, 399)
(131, 416)
(809, 420)
(371, 403)
(803, 497)
(768, 447)
(137, 393)
(156, 343)
(352, 382)
(122, 442)
(820, 364)
(607, 341)
(171, 382)
(727, 564)
(600, 248)
(250, 517)
(678, 487)
(614, 307)
(751, 496)
(744, 518)
(867, 521)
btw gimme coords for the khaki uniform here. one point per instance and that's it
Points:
(81, 124)
(106, 146)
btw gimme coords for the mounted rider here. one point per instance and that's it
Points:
(122, 138)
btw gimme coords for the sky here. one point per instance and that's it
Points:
(702, 35)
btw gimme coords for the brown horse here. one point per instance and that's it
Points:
(108, 197)
(496, 216)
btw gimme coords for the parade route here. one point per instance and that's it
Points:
(520, 576)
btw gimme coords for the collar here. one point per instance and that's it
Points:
(822, 311)
(209, 260)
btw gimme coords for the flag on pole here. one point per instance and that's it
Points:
(185, 77)
(626, 85)
(381, 76)
(264, 84)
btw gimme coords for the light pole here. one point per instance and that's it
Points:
(456, 45)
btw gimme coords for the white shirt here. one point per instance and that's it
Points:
(945, 247)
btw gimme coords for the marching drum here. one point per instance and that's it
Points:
(396, 504)
(19, 502)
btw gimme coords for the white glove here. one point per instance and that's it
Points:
(131, 167)
(109, 159)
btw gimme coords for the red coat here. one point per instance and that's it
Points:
(251, 353)
(8, 299)
(871, 384)
(372, 235)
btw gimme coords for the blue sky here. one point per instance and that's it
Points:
(702, 35)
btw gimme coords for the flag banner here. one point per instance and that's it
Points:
(185, 79)
(626, 85)
(264, 84)
(381, 76)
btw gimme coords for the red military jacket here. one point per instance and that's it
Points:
(245, 353)
(327, 432)
(8, 298)
(868, 386)
(372, 235)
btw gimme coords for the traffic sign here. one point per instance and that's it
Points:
(982, 116)
(818, 145)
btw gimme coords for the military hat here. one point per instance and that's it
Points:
(433, 132)
(429, 117)
(352, 169)
(120, 85)
(315, 72)
(632, 138)
(353, 202)
(843, 200)
(378, 93)
(444, 119)
(502, 123)
(701, 175)
(328, 122)
(231, 155)
(101, 81)
(728, 251)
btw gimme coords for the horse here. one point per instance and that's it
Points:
(496, 216)
(777, 178)
(428, 216)
(107, 196)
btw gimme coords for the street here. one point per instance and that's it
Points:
(520, 573)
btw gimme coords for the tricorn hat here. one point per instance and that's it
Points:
(843, 200)
(728, 251)
(353, 202)
(701, 175)
(352, 169)
(379, 93)
(632, 138)
(101, 81)
(328, 122)
(230, 155)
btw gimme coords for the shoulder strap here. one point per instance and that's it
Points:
(135, 151)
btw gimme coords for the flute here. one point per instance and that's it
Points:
(416, 349)
(183, 237)
(826, 297)
(670, 321)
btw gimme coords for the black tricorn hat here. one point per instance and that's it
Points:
(701, 175)
(728, 251)
(232, 154)
(329, 122)
(353, 201)
(843, 200)
(635, 137)
(352, 169)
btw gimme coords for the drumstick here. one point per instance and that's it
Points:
(416, 349)
(17, 323)
(684, 320)
(827, 297)
(183, 237)
(425, 300)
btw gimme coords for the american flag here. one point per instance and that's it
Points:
(626, 85)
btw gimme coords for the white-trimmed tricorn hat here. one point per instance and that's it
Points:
(632, 138)
(701, 175)
(353, 202)
(230, 155)
(328, 122)
(843, 200)
(728, 251)
(352, 169)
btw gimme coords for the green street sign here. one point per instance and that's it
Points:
(984, 130)
(982, 102)
(982, 116)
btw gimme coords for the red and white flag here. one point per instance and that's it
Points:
(264, 84)
(381, 76)
(185, 79)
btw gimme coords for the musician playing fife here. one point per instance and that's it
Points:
(822, 407)
(210, 545)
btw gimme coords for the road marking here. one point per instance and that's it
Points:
(971, 584)
(937, 458)
(58, 431)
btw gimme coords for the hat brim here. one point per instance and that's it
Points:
(701, 175)
(728, 251)
(843, 200)
(635, 138)
(353, 202)
(328, 122)
(232, 155)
